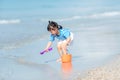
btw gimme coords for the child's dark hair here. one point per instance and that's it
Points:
(54, 25)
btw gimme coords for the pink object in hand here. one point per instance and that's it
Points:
(45, 51)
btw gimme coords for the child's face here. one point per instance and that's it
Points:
(53, 31)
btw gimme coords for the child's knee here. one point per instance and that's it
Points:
(59, 46)
(63, 46)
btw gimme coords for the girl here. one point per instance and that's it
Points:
(63, 35)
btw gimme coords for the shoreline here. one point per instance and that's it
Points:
(108, 71)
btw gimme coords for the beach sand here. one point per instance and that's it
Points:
(109, 71)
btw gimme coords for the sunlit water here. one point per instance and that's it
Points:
(92, 46)
(96, 28)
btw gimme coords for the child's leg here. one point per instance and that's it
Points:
(59, 47)
(64, 47)
(65, 44)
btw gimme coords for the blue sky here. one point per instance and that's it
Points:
(36, 9)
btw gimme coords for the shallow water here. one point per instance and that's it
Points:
(92, 47)
(23, 35)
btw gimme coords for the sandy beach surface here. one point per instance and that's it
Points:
(109, 71)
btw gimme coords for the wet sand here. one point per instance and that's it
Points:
(109, 71)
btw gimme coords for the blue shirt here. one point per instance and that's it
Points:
(63, 35)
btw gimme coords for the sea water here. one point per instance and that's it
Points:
(20, 47)
(96, 40)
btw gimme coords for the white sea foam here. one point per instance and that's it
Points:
(12, 21)
(92, 16)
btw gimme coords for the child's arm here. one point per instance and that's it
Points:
(48, 45)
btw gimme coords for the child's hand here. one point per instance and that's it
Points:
(46, 50)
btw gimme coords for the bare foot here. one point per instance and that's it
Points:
(58, 60)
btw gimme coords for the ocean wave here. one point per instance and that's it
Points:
(21, 43)
(105, 14)
(13, 21)
(93, 16)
